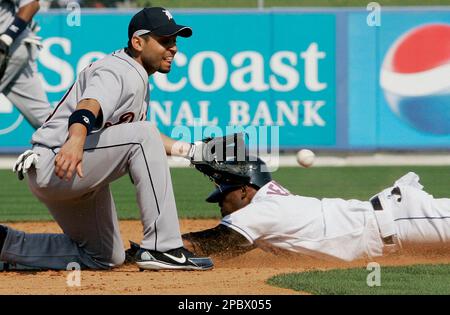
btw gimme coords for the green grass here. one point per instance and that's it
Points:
(407, 280)
(191, 188)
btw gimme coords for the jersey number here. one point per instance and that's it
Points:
(125, 118)
(275, 189)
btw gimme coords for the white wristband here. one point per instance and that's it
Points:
(191, 152)
(6, 39)
(195, 153)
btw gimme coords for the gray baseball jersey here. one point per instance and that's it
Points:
(117, 82)
(84, 207)
(21, 84)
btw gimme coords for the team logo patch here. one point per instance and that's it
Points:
(415, 78)
(180, 260)
(169, 15)
(14, 28)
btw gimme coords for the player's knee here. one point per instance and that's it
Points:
(117, 258)
(108, 260)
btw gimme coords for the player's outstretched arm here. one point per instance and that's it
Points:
(190, 151)
(208, 150)
(175, 147)
(81, 122)
(219, 240)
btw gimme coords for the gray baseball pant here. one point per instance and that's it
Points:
(22, 86)
(84, 207)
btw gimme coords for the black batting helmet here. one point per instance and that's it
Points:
(252, 172)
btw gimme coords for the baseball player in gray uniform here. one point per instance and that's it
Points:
(19, 46)
(95, 135)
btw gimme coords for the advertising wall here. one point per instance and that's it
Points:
(398, 81)
(324, 79)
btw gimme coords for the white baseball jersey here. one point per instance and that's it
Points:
(104, 81)
(321, 228)
(344, 229)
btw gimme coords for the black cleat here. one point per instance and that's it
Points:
(175, 259)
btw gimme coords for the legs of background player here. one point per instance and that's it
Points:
(29, 97)
(22, 86)
(85, 209)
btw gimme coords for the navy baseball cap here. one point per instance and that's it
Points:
(221, 191)
(158, 21)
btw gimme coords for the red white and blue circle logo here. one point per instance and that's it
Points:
(415, 78)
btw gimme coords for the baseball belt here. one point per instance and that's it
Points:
(385, 221)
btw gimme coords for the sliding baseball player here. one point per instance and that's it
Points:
(259, 212)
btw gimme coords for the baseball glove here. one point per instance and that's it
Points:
(4, 58)
(230, 167)
(218, 149)
(226, 172)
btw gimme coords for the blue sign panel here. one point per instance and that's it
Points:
(274, 74)
(266, 71)
(401, 71)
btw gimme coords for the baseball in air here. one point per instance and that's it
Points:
(305, 157)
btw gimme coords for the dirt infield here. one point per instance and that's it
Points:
(245, 274)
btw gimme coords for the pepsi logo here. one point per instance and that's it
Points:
(415, 78)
